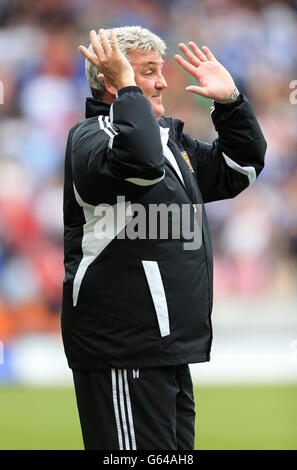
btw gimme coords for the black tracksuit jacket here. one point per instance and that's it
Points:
(146, 301)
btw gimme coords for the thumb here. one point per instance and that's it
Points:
(198, 90)
(100, 76)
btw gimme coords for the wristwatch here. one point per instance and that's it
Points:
(231, 98)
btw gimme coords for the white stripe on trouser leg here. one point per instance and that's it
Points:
(123, 411)
(116, 408)
(130, 417)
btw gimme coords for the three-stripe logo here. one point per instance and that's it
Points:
(106, 126)
(122, 409)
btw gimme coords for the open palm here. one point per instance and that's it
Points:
(215, 81)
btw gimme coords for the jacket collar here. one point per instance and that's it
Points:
(95, 108)
(175, 127)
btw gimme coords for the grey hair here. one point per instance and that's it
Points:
(130, 38)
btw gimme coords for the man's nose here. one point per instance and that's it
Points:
(161, 83)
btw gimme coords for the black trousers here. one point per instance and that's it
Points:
(136, 409)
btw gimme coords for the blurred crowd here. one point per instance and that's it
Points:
(254, 235)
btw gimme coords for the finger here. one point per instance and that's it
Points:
(197, 51)
(198, 90)
(189, 55)
(100, 76)
(188, 67)
(95, 43)
(104, 41)
(114, 40)
(208, 53)
(91, 57)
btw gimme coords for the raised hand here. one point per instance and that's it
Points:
(214, 80)
(109, 60)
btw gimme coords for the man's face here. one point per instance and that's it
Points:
(148, 76)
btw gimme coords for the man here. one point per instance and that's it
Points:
(136, 309)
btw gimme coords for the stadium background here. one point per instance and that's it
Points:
(246, 395)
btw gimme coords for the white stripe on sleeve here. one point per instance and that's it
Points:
(249, 171)
(145, 182)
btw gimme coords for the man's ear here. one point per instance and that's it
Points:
(111, 89)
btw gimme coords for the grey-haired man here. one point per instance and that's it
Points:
(136, 309)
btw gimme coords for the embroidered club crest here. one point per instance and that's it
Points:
(187, 160)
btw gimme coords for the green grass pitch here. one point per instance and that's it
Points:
(228, 417)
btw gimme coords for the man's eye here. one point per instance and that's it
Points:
(148, 73)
